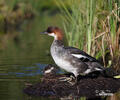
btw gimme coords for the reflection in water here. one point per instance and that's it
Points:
(20, 62)
(26, 71)
(12, 81)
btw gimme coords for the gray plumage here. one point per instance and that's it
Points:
(74, 60)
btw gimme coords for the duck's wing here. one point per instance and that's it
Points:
(81, 55)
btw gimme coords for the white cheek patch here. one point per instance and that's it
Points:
(49, 70)
(78, 56)
(53, 34)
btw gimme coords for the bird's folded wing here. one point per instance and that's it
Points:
(80, 54)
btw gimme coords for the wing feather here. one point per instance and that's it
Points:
(80, 54)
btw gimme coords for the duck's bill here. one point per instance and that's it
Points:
(44, 32)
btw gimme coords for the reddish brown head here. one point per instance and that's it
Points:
(55, 32)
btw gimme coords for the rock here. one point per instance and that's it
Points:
(51, 86)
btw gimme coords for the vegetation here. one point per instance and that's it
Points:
(93, 26)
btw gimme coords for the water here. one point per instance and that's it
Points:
(16, 70)
(13, 77)
(23, 60)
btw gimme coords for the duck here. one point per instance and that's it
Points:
(71, 59)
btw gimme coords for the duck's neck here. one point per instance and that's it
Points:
(56, 48)
(58, 42)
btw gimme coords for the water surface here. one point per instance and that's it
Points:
(23, 60)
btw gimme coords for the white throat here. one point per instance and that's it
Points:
(53, 35)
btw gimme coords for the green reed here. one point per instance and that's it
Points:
(79, 25)
(93, 26)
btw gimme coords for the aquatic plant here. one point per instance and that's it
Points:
(93, 26)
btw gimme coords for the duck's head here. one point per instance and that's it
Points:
(49, 69)
(55, 32)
